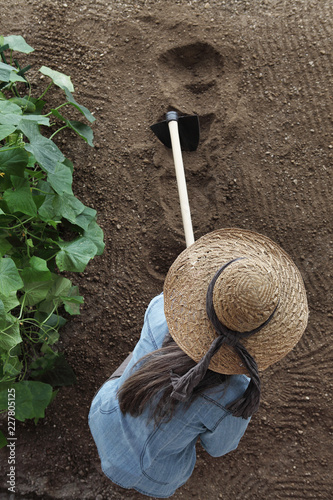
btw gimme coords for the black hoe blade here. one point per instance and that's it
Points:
(188, 127)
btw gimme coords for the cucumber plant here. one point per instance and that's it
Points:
(44, 230)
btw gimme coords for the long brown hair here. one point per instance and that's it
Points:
(151, 385)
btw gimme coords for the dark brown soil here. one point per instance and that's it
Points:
(259, 75)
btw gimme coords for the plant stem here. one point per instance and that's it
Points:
(52, 256)
(29, 93)
(33, 236)
(9, 149)
(14, 90)
(22, 306)
(56, 109)
(41, 191)
(18, 225)
(28, 249)
(61, 128)
(45, 91)
(22, 375)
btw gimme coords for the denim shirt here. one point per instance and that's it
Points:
(154, 460)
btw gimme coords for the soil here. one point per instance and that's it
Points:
(259, 75)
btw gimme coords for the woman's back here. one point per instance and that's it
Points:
(156, 460)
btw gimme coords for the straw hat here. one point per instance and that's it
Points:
(262, 280)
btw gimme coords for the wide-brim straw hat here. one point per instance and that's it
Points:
(263, 280)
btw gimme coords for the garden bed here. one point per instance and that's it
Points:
(258, 76)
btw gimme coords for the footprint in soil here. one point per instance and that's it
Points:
(199, 77)
(189, 75)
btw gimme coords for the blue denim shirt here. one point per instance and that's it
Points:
(157, 460)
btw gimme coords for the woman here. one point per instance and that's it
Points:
(233, 304)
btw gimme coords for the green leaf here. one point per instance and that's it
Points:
(84, 218)
(17, 42)
(73, 301)
(9, 73)
(12, 366)
(37, 280)
(14, 161)
(17, 120)
(85, 111)
(40, 119)
(9, 276)
(5, 246)
(3, 440)
(10, 119)
(25, 104)
(46, 211)
(72, 305)
(31, 398)
(2, 309)
(75, 255)
(68, 206)
(20, 199)
(6, 130)
(61, 286)
(61, 179)
(9, 108)
(5, 71)
(14, 77)
(9, 115)
(30, 129)
(47, 154)
(69, 164)
(31, 165)
(83, 131)
(37, 271)
(96, 235)
(40, 265)
(59, 79)
(9, 301)
(9, 332)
